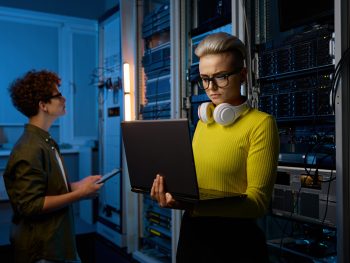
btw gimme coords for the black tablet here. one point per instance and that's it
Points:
(107, 176)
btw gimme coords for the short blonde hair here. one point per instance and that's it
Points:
(219, 43)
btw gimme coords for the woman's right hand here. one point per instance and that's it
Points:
(165, 199)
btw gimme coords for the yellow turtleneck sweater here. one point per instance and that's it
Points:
(241, 157)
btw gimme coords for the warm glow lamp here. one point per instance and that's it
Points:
(127, 88)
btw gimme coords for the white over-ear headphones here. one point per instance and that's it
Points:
(224, 113)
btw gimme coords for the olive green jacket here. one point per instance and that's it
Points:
(31, 174)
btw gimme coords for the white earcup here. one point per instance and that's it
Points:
(226, 114)
(205, 112)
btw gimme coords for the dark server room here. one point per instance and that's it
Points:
(164, 99)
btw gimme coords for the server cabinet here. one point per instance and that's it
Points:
(152, 230)
(292, 72)
(294, 76)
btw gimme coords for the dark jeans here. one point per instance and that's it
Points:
(214, 239)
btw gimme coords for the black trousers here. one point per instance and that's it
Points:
(215, 239)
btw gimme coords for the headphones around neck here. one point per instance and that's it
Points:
(224, 113)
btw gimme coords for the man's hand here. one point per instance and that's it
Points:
(87, 187)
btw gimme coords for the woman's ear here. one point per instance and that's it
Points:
(42, 106)
(243, 75)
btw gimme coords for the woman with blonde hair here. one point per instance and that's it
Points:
(235, 150)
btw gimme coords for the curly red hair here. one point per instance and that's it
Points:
(35, 86)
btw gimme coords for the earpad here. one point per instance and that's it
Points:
(224, 113)
(205, 112)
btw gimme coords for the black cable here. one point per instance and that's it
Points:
(329, 181)
(317, 179)
(327, 199)
(296, 201)
(305, 161)
(337, 72)
(308, 173)
(315, 175)
(294, 208)
(99, 73)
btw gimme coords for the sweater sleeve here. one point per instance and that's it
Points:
(261, 174)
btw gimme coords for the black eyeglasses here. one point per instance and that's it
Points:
(220, 81)
(58, 95)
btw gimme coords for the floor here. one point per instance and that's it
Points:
(92, 248)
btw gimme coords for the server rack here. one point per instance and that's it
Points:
(269, 35)
(294, 78)
(155, 241)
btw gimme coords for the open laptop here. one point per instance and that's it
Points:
(164, 147)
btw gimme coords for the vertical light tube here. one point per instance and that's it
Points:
(127, 88)
(127, 107)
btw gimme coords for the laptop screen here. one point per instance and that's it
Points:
(160, 147)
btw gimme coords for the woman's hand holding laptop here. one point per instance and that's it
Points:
(165, 199)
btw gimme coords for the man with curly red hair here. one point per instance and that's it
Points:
(36, 180)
